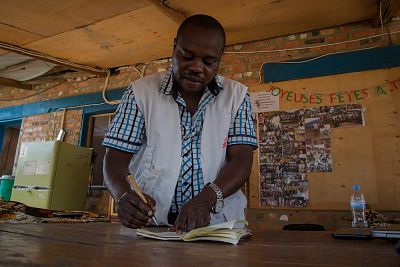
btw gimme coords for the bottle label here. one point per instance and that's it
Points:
(357, 205)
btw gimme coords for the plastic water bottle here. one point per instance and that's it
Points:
(357, 205)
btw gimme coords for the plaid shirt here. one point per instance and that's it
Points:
(127, 132)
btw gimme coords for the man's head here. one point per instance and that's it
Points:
(198, 49)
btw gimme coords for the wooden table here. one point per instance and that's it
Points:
(102, 244)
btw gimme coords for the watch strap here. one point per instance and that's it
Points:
(217, 190)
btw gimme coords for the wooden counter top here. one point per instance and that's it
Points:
(106, 244)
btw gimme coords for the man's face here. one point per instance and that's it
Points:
(196, 57)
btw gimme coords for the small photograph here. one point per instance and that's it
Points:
(295, 149)
(291, 117)
(270, 131)
(301, 147)
(262, 148)
(300, 133)
(325, 131)
(319, 158)
(274, 156)
(260, 118)
(299, 202)
(273, 196)
(345, 116)
(274, 152)
(302, 164)
(296, 195)
(320, 142)
(290, 166)
(313, 112)
(270, 167)
(269, 121)
(277, 175)
(274, 149)
(266, 158)
(272, 178)
(263, 170)
(354, 107)
(312, 124)
(293, 178)
(264, 182)
(262, 137)
(288, 136)
(288, 149)
(273, 137)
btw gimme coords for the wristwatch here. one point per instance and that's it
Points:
(219, 204)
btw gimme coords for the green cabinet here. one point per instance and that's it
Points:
(52, 175)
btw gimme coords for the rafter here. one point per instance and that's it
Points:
(14, 83)
(58, 61)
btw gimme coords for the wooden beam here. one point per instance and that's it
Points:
(174, 15)
(58, 61)
(14, 83)
(386, 8)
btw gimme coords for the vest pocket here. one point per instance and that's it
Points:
(151, 180)
(147, 175)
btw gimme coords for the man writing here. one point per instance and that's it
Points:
(185, 135)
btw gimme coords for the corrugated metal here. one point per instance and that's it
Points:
(22, 68)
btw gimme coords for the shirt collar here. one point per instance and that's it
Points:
(170, 87)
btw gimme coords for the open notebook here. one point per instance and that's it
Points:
(223, 232)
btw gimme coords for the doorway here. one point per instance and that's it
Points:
(99, 201)
(9, 138)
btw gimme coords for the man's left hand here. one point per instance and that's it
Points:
(195, 213)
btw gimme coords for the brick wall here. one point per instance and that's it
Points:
(242, 67)
(45, 127)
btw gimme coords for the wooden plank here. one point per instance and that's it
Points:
(175, 16)
(16, 36)
(259, 19)
(368, 155)
(138, 36)
(14, 83)
(145, 33)
(48, 17)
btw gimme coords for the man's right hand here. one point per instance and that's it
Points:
(133, 212)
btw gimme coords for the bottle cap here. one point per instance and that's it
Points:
(356, 187)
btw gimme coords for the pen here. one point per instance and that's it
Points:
(135, 186)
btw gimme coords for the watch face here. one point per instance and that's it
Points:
(219, 205)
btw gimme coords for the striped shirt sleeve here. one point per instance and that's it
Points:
(127, 130)
(242, 129)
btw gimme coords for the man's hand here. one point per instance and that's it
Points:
(133, 212)
(196, 212)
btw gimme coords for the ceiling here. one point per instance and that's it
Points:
(105, 34)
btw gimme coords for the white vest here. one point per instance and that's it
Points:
(157, 165)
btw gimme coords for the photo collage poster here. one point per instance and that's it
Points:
(294, 143)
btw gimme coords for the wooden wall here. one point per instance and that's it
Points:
(367, 155)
